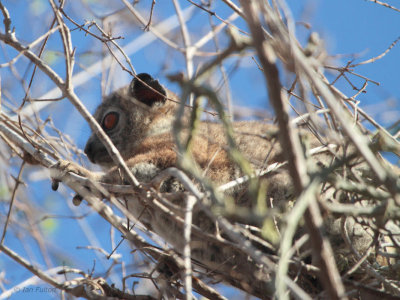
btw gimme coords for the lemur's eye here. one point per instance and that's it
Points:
(110, 121)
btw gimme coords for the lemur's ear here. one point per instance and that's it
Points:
(143, 93)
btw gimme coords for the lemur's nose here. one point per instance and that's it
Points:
(89, 151)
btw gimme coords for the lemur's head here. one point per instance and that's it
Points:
(129, 115)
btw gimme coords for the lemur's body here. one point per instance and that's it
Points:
(139, 121)
(142, 124)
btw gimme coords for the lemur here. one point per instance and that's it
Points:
(139, 120)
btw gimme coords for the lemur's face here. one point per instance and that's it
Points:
(126, 116)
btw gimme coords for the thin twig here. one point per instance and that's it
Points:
(14, 193)
(371, 60)
(190, 202)
(385, 5)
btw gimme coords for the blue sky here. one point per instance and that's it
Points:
(348, 27)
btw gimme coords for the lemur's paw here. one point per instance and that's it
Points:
(61, 168)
